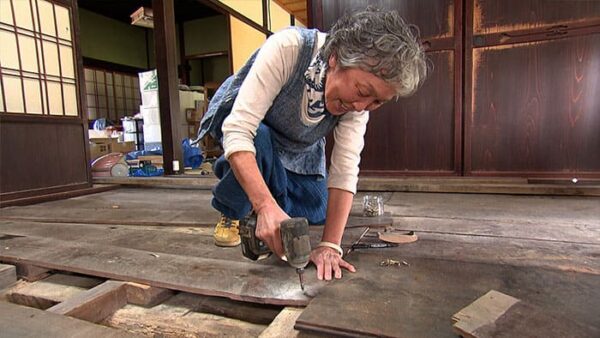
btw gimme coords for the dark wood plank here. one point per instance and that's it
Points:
(8, 275)
(473, 245)
(95, 304)
(418, 300)
(270, 281)
(26, 322)
(154, 241)
(498, 315)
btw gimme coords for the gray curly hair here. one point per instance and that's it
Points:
(380, 43)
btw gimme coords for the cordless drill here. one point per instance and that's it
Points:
(294, 237)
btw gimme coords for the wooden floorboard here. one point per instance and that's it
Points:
(174, 207)
(476, 242)
(512, 251)
(587, 233)
(520, 209)
(26, 322)
(419, 300)
(154, 241)
(270, 281)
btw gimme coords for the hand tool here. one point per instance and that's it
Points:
(351, 248)
(374, 245)
(294, 237)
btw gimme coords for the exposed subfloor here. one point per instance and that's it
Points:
(542, 249)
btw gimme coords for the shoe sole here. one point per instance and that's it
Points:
(227, 244)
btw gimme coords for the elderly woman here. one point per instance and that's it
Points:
(273, 115)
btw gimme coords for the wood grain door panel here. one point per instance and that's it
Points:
(416, 134)
(491, 16)
(536, 108)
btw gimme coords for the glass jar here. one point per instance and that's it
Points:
(372, 205)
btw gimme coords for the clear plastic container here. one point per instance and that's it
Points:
(372, 206)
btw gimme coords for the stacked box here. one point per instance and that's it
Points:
(150, 110)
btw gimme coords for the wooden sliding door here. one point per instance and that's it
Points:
(530, 74)
(43, 133)
(532, 102)
(419, 135)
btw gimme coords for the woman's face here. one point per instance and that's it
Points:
(353, 89)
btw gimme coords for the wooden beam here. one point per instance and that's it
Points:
(146, 295)
(168, 83)
(48, 292)
(177, 317)
(26, 322)
(283, 324)
(96, 304)
(8, 275)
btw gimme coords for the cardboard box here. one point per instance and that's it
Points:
(98, 149)
(122, 147)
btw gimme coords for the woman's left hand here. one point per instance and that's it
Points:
(329, 263)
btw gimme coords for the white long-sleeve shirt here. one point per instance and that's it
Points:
(271, 70)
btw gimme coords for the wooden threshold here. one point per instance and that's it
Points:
(57, 196)
(468, 185)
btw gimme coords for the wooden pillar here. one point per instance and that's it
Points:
(168, 83)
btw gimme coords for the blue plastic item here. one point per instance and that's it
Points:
(191, 154)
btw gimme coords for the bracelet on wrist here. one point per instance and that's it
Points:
(332, 246)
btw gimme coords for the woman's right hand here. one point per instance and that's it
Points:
(268, 224)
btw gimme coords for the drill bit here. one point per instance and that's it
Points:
(300, 272)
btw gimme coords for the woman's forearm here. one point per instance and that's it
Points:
(339, 205)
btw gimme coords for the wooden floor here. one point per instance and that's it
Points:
(542, 249)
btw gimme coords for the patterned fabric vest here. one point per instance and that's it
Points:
(300, 148)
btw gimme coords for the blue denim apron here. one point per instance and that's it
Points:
(300, 148)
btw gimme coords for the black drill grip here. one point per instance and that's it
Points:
(252, 246)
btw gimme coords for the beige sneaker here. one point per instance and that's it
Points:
(227, 232)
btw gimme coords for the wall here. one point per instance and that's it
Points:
(196, 42)
(252, 9)
(244, 41)
(206, 35)
(109, 40)
(279, 18)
